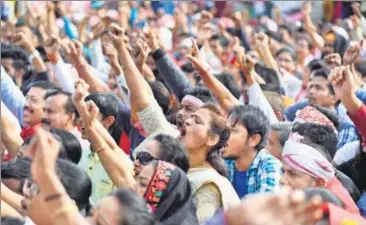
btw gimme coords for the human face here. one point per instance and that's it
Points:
(216, 47)
(143, 180)
(56, 114)
(108, 212)
(195, 133)
(34, 106)
(237, 142)
(328, 47)
(153, 149)
(185, 111)
(285, 61)
(302, 48)
(274, 146)
(296, 179)
(319, 92)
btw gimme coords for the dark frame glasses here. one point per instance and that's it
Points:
(144, 158)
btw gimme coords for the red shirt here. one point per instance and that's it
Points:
(359, 119)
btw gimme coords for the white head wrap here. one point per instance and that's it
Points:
(308, 160)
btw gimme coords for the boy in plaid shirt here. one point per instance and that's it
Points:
(252, 169)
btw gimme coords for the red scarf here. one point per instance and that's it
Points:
(29, 131)
(338, 215)
(337, 188)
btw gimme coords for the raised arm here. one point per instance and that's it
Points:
(141, 93)
(222, 94)
(345, 86)
(63, 210)
(62, 72)
(20, 39)
(10, 132)
(116, 163)
(84, 69)
(173, 76)
(310, 28)
(12, 97)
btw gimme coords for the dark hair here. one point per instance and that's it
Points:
(223, 41)
(108, 105)
(318, 134)
(17, 54)
(324, 73)
(274, 35)
(187, 68)
(269, 76)
(69, 106)
(316, 64)
(229, 82)
(161, 94)
(254, 120)
(134, 209)
(202, 93)
(172, 150)
(17, 168)
(287, 50)
(325, 194)
(283, 130)
(276, 102)
(76, 182)
(285, 27)
(70, 145)
(218, 127)
(307, 39)
(11, 221)
(44, 85)
(332, 116)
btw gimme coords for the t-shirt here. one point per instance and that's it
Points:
(240, 180)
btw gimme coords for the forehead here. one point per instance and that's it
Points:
(57, 99)
(36, 92)
(203, 114)
(319, 80)
(147, 172)
(285, 55)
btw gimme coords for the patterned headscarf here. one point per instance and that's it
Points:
(311, 115)
(169, 195)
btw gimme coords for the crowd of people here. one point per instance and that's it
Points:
(183, 113)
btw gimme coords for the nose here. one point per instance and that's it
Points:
(283, 181)
(188, 122)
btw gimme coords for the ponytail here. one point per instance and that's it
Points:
(217, 163)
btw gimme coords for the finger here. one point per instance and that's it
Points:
(194, 45)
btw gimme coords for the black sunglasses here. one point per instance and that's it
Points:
(144, 158)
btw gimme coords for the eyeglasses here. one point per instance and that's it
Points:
(144, 157)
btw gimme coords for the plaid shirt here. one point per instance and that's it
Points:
(263, 174)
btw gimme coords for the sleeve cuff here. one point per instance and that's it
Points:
(361, 113)
(158, 54)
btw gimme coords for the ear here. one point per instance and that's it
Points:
(279, 115)
(71, 118)
(107, 122)
(213, 140)
(254, 140)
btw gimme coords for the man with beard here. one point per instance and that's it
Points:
(252, 169)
